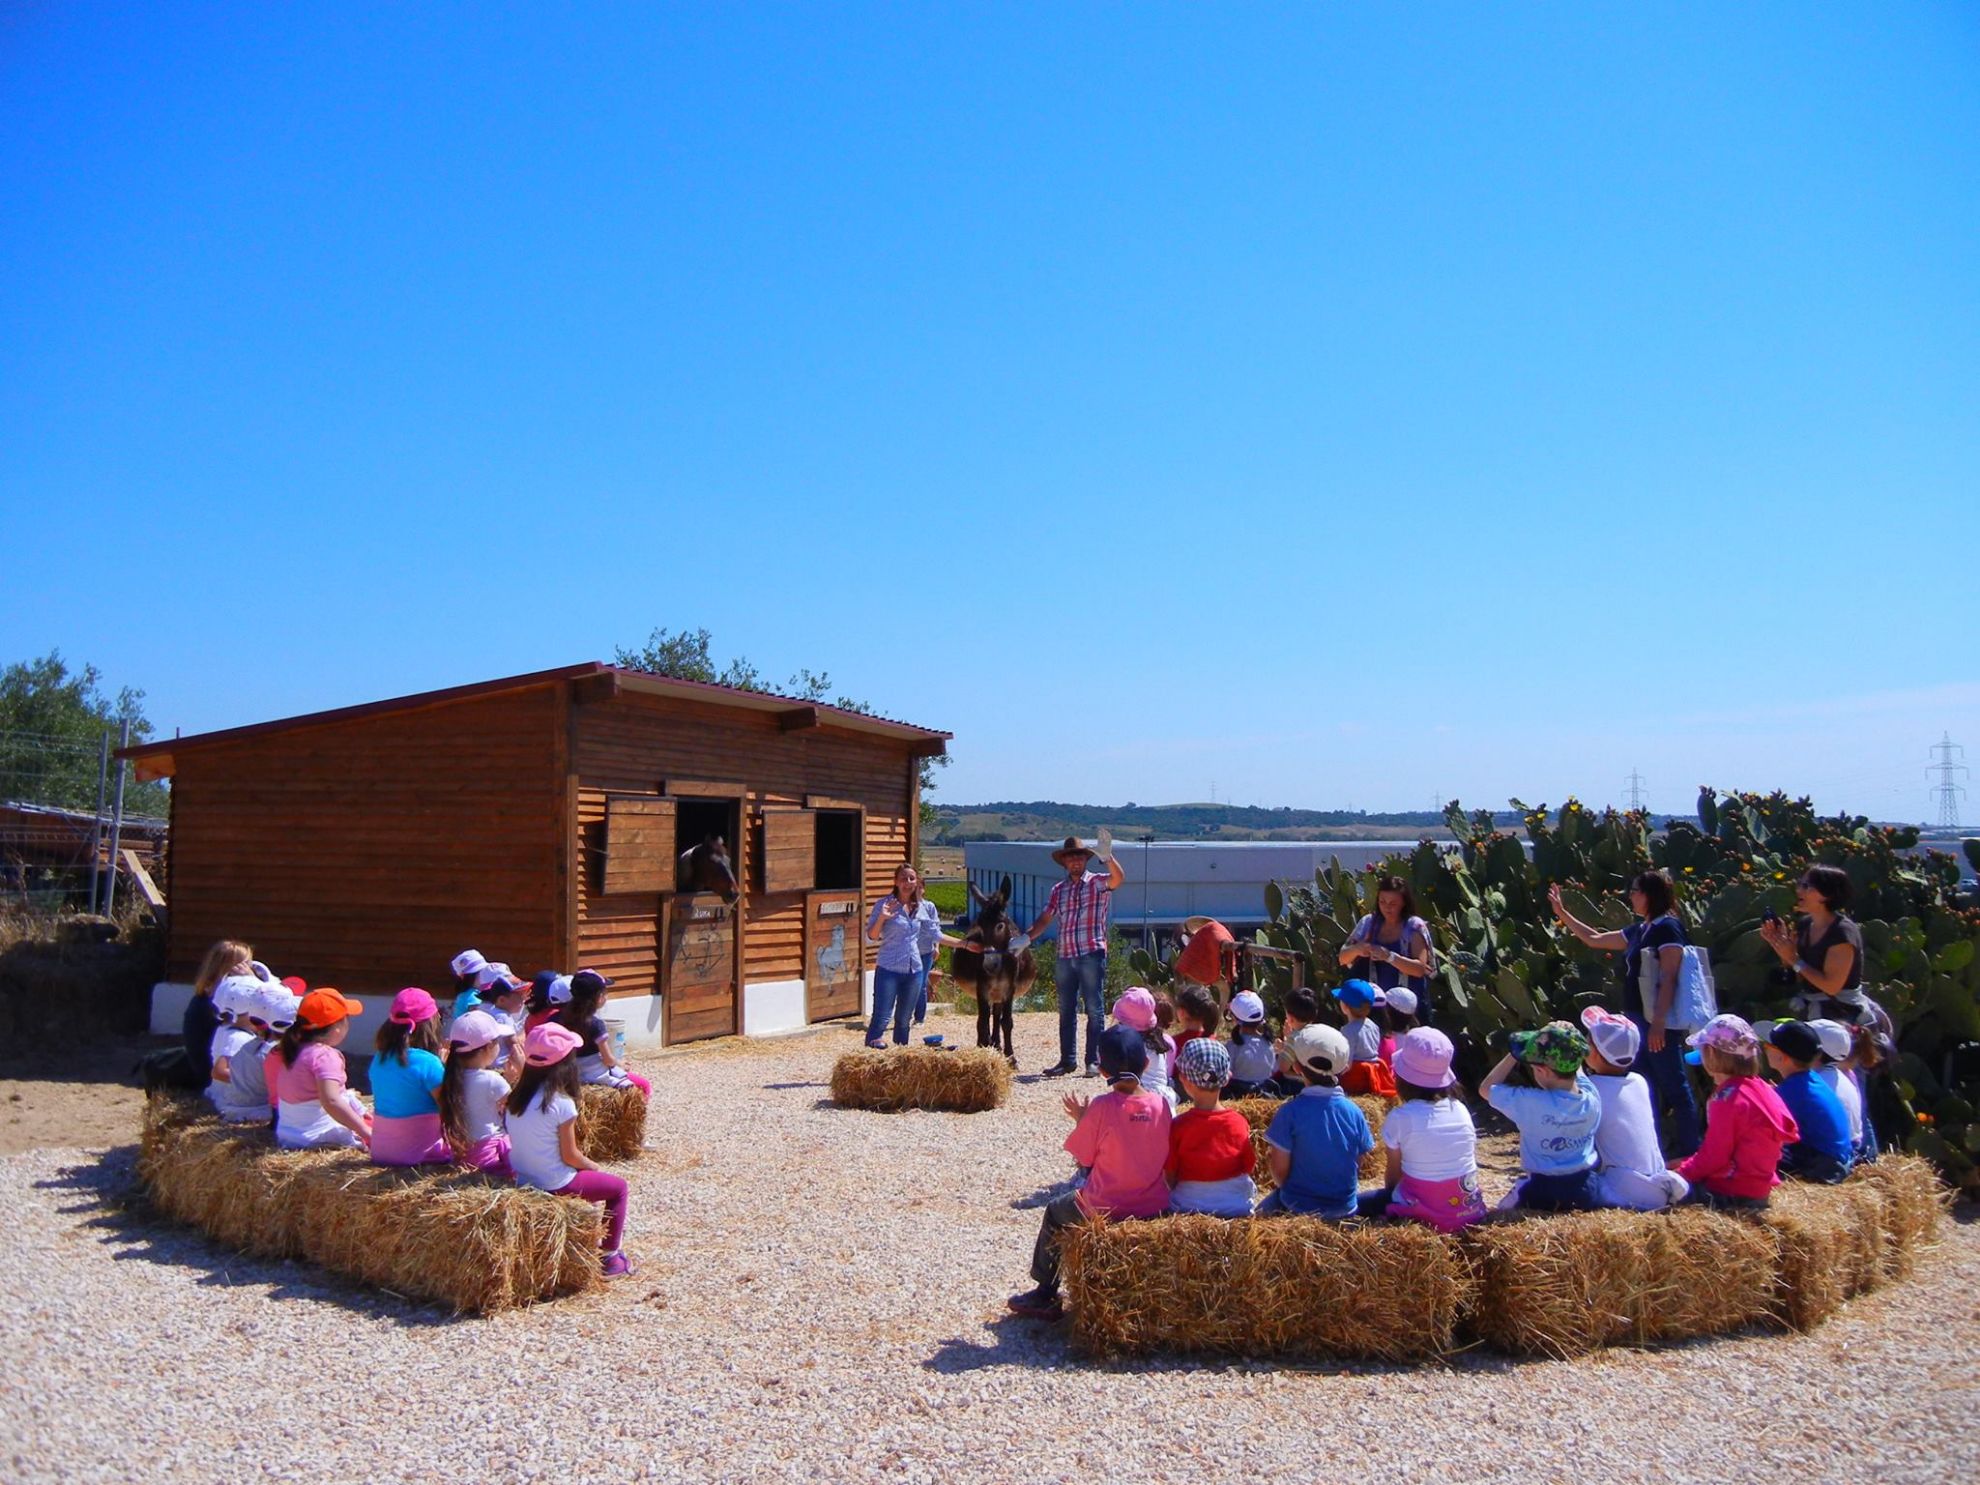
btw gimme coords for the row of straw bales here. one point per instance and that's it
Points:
(475, 1244)
(953, 1080)
(1528, 1285)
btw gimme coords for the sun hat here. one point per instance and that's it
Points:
(475, 1030)
(1423, 1057)
(1558, 1046)
(1403, 999)
(1319, 1049)
(492, 972)
(1730, 1032)
(411, 1006)
(1072, 847)
(235, 994)
(1136, 1008)
(467, 962)
(326, 1007)
(1615, 1037)
(1797, 1039)
(278, 1007)
(1122, 1053)
(261, 971)
(559, 990)
(1355, 992)
(1248, 1008)
(1836, 1041)
(1205, 1061)
(549, 1044)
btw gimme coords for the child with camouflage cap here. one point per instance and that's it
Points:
(1557, 1119)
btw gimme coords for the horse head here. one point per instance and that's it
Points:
(707, 868)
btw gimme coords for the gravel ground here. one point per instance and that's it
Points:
(822, 1299)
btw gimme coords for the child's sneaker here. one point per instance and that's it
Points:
(1039, 1304)
(617, 1265)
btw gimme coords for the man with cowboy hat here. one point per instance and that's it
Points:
(1079, 905)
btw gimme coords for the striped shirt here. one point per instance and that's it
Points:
(1080, 910)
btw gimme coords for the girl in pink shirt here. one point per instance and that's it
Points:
(1123, 1135)
(1746, 1124)
(314, 1104)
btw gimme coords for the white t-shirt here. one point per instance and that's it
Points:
(534, 1152)
(482, 1092)
(510, 1026)
(1626, 1139)
(231, 1042)
(1435, 1137)
(1850, 1096)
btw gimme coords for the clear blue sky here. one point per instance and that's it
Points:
(1334, 406)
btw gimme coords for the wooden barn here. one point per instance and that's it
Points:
(538, 819)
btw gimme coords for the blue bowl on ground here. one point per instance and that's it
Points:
(931, 1041)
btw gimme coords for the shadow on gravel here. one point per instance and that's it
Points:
(1016, 1342)
(114, 1205)
(786, 1087)
(1043, 1196)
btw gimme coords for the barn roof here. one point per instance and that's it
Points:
(155, 758)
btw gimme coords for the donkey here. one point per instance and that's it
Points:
(706, 868)
(995, 974)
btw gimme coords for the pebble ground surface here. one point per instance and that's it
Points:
(822, 1299)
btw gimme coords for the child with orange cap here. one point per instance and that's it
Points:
(314, 1104)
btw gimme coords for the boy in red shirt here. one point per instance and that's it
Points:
(1210, 1151)
(1123, 1136)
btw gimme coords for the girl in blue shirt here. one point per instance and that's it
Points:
(405, 1073)
(908, 929)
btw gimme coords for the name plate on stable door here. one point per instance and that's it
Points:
(836, 909)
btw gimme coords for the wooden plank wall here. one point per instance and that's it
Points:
(366, 854)
(634, 743)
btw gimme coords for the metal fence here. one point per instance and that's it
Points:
(54, 855)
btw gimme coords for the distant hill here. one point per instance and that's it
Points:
(1047, 819)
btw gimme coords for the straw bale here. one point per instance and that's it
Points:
(611, 1122)
(964, 1081)
(1915, 1202)
(1565, 1285)
(1264, 1286)
(1258, 1113)
(1832, 1246)
(438, 1233)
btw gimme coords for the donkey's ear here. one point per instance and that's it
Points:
(1004, 889)
(976, 895)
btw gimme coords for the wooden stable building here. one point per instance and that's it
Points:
(538, 819)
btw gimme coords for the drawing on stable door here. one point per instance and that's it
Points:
(701, 966)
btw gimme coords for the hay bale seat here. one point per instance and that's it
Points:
(963, 1081)
(1258, 1114)
(611, 1122)
(1559, 1286)
(446, 1234)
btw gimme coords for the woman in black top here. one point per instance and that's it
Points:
(1824, 949)
(1649, 992)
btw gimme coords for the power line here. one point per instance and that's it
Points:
(1635, 790)
(1947, 792)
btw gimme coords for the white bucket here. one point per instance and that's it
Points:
(615, 1033)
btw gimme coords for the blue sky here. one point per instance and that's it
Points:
(1325, 406)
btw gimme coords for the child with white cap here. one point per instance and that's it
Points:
(472, 1094)
(1631, 1171)
(1253, 1062)
(1838, 1046)
(1315, 1142)
(1395, 1013)
(271, 1013)
(233, 1001)
(466, 967)
(1432, 1145)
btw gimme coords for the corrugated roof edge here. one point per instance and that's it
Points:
(717, 694)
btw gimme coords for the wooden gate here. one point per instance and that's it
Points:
(702, 968)
(834, 955)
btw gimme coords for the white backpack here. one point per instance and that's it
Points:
(1696, 1000)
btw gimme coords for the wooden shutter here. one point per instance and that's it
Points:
(639, 844)
(788, 861)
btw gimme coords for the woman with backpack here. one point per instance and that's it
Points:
(1653, 952)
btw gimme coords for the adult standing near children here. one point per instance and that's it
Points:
(1824, 949)
(907, 927)
(1080, 905)
(1653, 950)
(1396, 944)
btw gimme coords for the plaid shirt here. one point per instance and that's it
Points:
(1080, 910)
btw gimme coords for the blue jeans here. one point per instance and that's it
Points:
(893, 1000)
(1082, 981)
(1670, 1090)
(921, 993)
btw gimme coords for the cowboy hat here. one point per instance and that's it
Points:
(1070, 848)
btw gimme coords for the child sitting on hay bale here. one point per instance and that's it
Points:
(405, 1122)
(243, 1100)
(1833, 1067)
(1432, 1145)
(1122, 1137)
(1253, 1062)
(1210, 1150)
(1197, 1014)
(1136, 1011)
(314, 1104)
(1630, 1170)
(270, 1012)
(1302, 1009)
(542, 1129)
(1367, 1072)
(467, 967)
(472, 1094)
(1746, 1124)
(1825, 1152)
(1395, 1013)
(596, 1061)
(1315, 1141)
(1557, 1119)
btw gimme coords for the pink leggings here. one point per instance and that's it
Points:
(608, 1190)
(645, 1088)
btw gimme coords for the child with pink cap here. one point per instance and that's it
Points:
(1630, 1169)
(1136, 1011)
(405, 1119)
(1746, 1124)
(542, 1127)
(1430, 1142)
